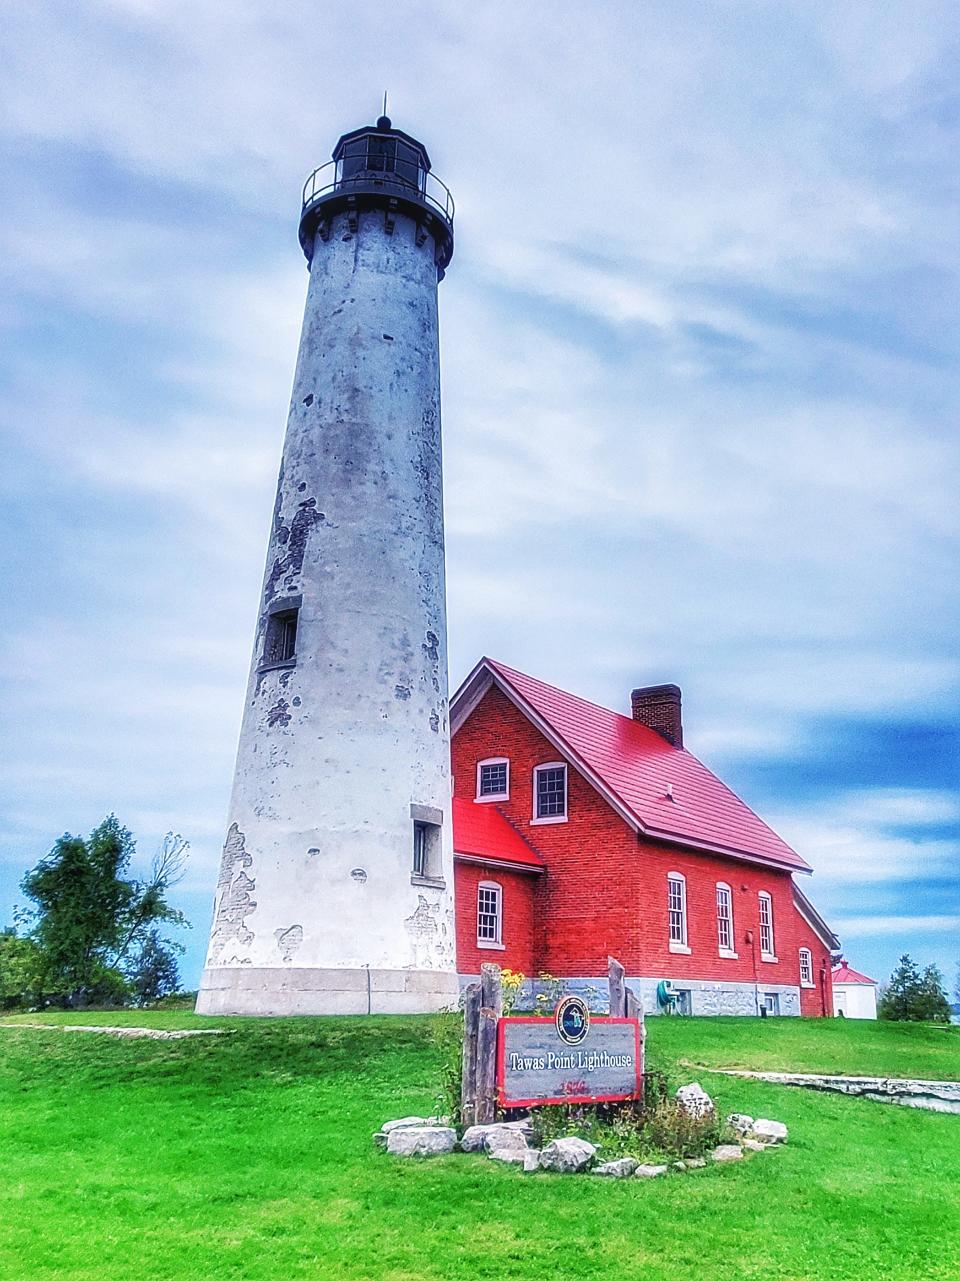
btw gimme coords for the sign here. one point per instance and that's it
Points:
(537, 1062)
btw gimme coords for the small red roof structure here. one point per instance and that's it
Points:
(660, 790)
(842, 973)
(481, 833)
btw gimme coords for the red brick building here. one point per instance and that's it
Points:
(581, 833)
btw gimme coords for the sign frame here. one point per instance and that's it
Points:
(504, 1102)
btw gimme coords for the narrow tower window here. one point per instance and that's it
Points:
(280, 641)
(677, 912)
(427, 844)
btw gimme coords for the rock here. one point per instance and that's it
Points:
(406, 1122)
(727, 1152)
(425, 1140)
(694, 1100)
(380, 1139)
(531, 1161)
(510, 1156)
(620, 1169)
(567, 1156)
(480, 1138)
(678, 1165)
(740, 1122)
(769, 1131)
(754, 1145)
(695, 1163)
(649, 1171)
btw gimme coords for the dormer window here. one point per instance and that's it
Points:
(493, 779)
(550, 793)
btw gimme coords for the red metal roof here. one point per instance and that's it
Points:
(481, 831)
(842, 973)
(665, 790)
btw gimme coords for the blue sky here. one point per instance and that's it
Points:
(700, 385)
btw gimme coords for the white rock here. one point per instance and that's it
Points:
(510, 1156)
(620, 1169)
(567, 1156)
(649, 1171)
(694, 1100)
(740, 1122)
(769, 1131)
(695, 1163)
(727, 1152)
(380, 1139)
(426, 1140)
(480, 1138)
(405, 1122)
(754, 1145)
(531, 1161)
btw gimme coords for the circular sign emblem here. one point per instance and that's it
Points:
(572, 1019)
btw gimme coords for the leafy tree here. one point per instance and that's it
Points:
(19, 963)
(90, 917)
(153, 971)
(913, 995)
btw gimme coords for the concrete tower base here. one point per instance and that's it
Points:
(272, 992)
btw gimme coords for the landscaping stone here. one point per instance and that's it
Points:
(740, 1122)
(769, 1131)
(695, 1163)
(480, 1138)
(511, 1156)
(754, 1145)
(649, 1171)
(405, 1123)
(426, 1140)
(694, 1100)
(531, 1161)
(380, 1139)
(567, 1156)
(727, 1152)
(620, 1169)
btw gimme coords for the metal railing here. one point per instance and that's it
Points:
(329, 178)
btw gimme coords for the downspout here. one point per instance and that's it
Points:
(751, 939)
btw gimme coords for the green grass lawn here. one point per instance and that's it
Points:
(249, 1156)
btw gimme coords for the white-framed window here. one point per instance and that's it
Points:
(493, 779)
(767, 951)
(550, 793)
(725, 933)
(677, 911)
(770, 1001)
(489, 914)
(806, 967)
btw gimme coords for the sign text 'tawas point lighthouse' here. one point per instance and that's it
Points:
(335, 892)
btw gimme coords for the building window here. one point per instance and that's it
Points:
(766, 927)
(725, 919)
(806, 967)
(677, 912)
(489, 914)
(550, 793)
(770, 1002)
(280, 643)
(493, 779)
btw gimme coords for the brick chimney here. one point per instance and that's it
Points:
(658, 707)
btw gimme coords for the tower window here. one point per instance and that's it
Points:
(280, 641)
(493, 780)
(550, 794)
(427, 844)
(421, 841)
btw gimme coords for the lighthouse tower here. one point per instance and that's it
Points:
(335, 893)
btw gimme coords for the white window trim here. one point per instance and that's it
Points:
(806, 982)
(551, 818)
(493, 796)
(727, 953)
(497, 944)
(770, 957)
(681, 945)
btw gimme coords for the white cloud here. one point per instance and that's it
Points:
(873, 926)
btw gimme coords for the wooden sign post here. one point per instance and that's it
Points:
(522, 1062)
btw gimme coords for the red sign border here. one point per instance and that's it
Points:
(566, 1098)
